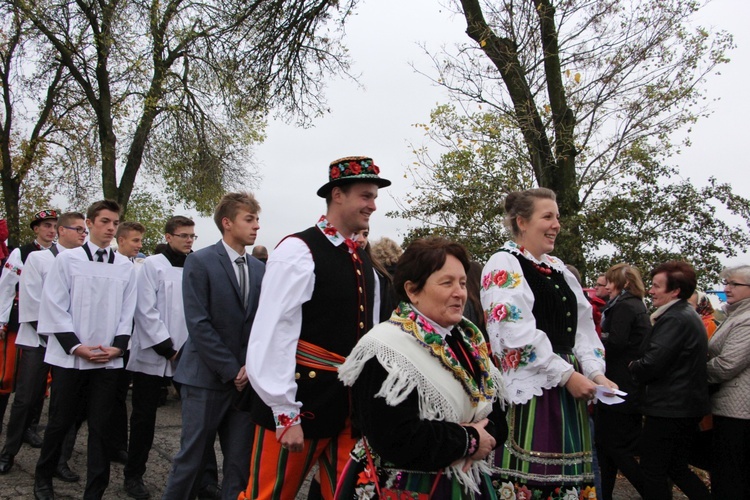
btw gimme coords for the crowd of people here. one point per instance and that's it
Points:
(413, 373)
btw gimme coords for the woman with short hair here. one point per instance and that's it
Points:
(729, 372)
(672, 373)
(426, 396)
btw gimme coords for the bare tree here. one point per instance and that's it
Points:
(38, 115)
(586, 84)
(183, 87)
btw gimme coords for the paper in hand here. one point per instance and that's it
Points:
(609, 396)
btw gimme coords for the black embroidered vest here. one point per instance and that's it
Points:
(336, 316)
(555, 305)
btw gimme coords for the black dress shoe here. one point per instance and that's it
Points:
(135, 488)
(43, 490)
(210, 492)
(63, 473)
(6, 463)
(32, 438)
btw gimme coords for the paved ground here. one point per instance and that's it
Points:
(18, 484)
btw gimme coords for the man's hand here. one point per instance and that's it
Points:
(293, 439)
(97, 354)
(240, 381)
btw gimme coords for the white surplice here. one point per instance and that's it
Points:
(30, 289)
(159, 315)
(95, 300)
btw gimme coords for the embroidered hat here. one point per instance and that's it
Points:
(38, 217)
(349, 170)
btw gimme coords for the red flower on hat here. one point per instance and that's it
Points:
(335, 173)
(355, 167)
(374, 168)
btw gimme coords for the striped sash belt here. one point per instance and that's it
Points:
(313, 356)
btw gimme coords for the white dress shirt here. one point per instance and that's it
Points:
(271, 352)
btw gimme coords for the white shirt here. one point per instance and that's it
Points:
(159, 315)
(271, 352)
(8, 281)
(508, 300)
(94, 300)
(30, 287)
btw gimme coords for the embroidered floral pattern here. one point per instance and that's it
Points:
(349, 168)
(285, 420)
(545, 267)
(365, 487)
(588, 493)
(414, 324)
(512, 359)
(13, 268)
(499, 312)
(510, 491)
(335, 237)
(501, 279)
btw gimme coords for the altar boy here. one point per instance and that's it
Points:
(87, 310)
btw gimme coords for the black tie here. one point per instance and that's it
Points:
(100, 255)
(240, 261)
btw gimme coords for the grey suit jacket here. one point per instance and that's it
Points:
(218, 327)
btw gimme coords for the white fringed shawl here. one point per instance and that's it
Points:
(441, 395)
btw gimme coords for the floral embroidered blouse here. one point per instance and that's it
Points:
(525, 353)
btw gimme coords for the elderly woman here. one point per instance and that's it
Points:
(729, 370)
(542, 332)
(672, 372)
(625, 324)
(426, 395)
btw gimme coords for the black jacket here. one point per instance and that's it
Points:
(672, 368)
(625, 325)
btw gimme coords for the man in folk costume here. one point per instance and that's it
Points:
(297, 341)
(220, 290)
(31, 384)
(87, 311)
(159, 334)
(43, 224)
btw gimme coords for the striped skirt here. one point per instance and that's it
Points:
(548, 452)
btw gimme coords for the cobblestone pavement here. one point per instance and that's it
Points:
(19, 483)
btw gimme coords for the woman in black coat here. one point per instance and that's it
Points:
(625, 324)
(672, 372)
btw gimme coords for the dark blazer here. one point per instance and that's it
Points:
(218, 328)
(672, 368)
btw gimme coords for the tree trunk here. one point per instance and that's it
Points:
(554, 170)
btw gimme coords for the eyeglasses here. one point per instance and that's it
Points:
(185, 236)
(732, 284)
(79, 230)
(601, 284)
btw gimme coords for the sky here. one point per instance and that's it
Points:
(375, 116)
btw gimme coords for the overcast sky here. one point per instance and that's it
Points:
(377, 118)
